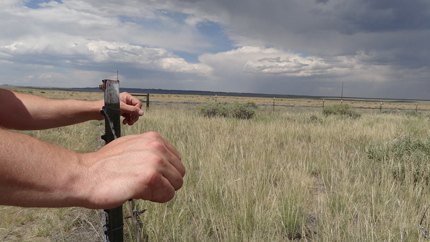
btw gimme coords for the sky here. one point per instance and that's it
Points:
(376, 48)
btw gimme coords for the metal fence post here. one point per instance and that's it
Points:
(112, 218)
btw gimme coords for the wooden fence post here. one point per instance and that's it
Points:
(147, 101)
(112, 218)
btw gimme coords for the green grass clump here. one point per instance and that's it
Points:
(341, 109)
(234, 110)
(411, 113)
(408, 158)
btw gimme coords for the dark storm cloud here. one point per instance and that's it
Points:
(335, 27)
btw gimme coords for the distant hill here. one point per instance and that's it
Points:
(210, 93)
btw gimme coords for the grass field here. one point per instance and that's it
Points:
(288, 174)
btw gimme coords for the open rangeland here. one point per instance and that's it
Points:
(287, 174)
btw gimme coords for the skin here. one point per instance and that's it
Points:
(37, 174)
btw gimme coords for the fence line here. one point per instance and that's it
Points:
(297, 106)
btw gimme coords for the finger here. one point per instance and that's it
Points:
(130, 109)
(162, 191)
(129, 119)
(167, 150)
(172, 149)
(171, 173)
(174, 158)
(133, 119)
(130, 100)
(179, 166)
(160, 178)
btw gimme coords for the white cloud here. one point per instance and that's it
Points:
(79, 51)
(260, 60)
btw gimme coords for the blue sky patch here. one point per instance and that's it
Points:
(35, 4)
(215, 33)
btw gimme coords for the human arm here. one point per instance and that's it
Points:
(38, 174)
(28, 112)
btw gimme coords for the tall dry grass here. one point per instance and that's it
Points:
(283, 175)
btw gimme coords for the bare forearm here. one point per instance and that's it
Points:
(27, 112)
(38, 174)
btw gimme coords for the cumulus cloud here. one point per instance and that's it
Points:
(79, 51)
(77, 35)
(260, 60)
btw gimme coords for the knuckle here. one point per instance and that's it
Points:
(155, 161)
(156, 145)
(152, 134)
(154, 177)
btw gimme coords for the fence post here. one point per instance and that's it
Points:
(273, 104)
(147, 101)
(112, 218)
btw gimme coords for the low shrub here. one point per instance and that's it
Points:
(241, 110)
(235, 110)
(408, 157)
(341, 109)
(213, 110)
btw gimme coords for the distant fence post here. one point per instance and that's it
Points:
(141, 95)
(273, 104)
(112, 218)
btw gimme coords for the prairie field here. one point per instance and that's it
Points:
(289, 174)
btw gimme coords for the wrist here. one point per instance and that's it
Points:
(96, 109)
(79, 183)
(86, 186)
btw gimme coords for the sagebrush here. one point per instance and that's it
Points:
(234, 110)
